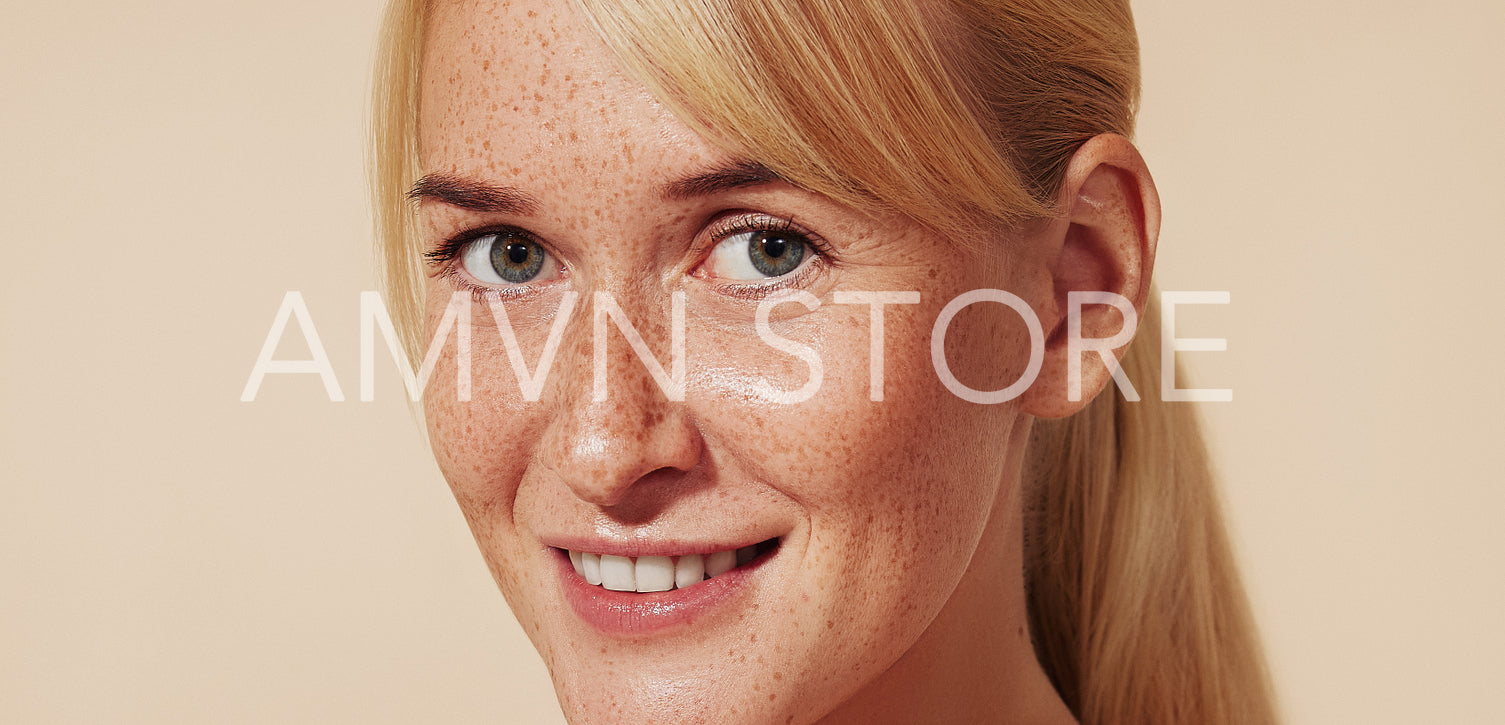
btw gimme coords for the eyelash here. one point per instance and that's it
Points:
(443, 257)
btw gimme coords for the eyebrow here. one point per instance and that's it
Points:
(725, 178)
(465, 193)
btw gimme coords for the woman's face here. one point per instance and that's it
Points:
(860, 517)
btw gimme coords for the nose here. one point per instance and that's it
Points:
(605, 447)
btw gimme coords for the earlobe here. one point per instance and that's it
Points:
(1104, 245)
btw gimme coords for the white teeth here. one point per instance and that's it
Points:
(654, 574)
(690, 570)
(591, 563)
(720, 563)
(617, 574)
(657, 573)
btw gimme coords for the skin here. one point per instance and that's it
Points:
(897, 593)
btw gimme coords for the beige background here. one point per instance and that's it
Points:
(169, 554)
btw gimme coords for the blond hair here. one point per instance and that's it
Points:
(962, 116)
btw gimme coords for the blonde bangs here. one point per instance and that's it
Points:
(854, 101)
(393, 165)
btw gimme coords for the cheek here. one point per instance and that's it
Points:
(484, 451)
(481, 445)
(471, 442)
(987, 346)
(896, 491)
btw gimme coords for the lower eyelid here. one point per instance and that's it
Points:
(454, 272)
(806, 273)
(487, 293)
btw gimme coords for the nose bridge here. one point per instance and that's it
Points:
(618, 412)
(637, 346)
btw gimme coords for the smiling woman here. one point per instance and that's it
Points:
(726, 555)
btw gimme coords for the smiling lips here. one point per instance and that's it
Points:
(662, 573)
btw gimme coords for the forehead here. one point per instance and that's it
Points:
(520, 89)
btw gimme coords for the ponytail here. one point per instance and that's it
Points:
(1135, 604)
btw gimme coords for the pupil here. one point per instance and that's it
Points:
(774, 255)
(516, 259)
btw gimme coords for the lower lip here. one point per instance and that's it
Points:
(627, 614)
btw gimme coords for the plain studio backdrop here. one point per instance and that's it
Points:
(171, 554)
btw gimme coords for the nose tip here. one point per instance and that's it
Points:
(614, 422)
(602, 452)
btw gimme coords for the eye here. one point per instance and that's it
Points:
(756, 254)
(506, 258)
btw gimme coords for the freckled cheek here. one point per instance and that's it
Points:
(483, 445)
(484, 448)
(898, 490)
(895, 491)
(839, 451)
(987, 346)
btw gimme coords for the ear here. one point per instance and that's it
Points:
(1103, 242)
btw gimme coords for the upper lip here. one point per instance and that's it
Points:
(644, 547)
